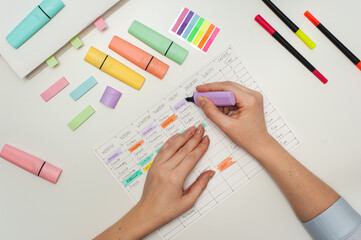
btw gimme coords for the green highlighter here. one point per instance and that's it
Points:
(158, 42)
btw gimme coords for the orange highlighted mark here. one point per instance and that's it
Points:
(225, 164)
(137, 145)
(206, 36)
(167, 122)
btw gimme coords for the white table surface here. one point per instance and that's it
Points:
(86, 199)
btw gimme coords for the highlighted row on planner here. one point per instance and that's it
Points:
(137, 145)
(225, 164)
(169, 121)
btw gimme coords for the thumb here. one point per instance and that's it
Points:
(212, 112)
(196, 189)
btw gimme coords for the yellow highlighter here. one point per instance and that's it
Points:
(114, 68)
(290, 24)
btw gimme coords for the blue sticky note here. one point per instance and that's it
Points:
(190, 26)
(83, 88)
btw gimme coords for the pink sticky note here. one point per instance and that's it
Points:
(54, 89)
(100, 24)
(211, 40)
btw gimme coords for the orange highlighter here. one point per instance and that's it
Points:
(139, 57)
(114, 68)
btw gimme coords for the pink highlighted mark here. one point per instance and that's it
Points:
(54, 89)
(180, 19)
(211, 39)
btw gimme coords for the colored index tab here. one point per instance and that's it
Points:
(52, 62)
(225, 164)
(83, 88)
(169, 121)
(190, 26)
(76, 42)
(211, 39)
(195, 30)
(100, 24)
(146, 160)
(132, 178)
(200, 33)
(185, 23)
(180, 19)
(137, 145)
(206, 36)
(54, 89)
(81, 118)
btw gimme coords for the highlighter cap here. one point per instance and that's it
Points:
(158, 42)
(177, 53)
(31, 163)
(51, 7)
(157, 68)
(50, 172)
(95, 57)
(139, 57)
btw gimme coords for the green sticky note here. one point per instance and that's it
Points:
(195, 30)
(204, 124)
(76, 42)
(181, 132)
(52, 62)
(81, 118)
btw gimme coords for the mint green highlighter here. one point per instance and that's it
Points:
(33, 22)
(158, 42)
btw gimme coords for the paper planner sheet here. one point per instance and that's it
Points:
(128, 155)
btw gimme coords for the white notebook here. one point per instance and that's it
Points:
(72, 19)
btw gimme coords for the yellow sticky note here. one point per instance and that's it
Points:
(201, 33)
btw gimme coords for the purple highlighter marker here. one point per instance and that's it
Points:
(220, 99)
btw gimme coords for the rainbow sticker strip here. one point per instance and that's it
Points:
(194, 29)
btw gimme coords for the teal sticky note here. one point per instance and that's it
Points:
(83, 88)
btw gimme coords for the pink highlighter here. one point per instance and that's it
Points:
(220, 99)
(30, 163)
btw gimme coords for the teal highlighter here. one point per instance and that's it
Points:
(33, 22)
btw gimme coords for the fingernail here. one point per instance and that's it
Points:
(205, 139)
(211, 174)
(199, 129)
(174, 137)
(201, 101)
(190, 130)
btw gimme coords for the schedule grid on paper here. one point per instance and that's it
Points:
(129, 154)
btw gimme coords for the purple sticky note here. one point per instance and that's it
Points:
(110, 97)
(185, 23)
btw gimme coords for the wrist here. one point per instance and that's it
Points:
(257, 149)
